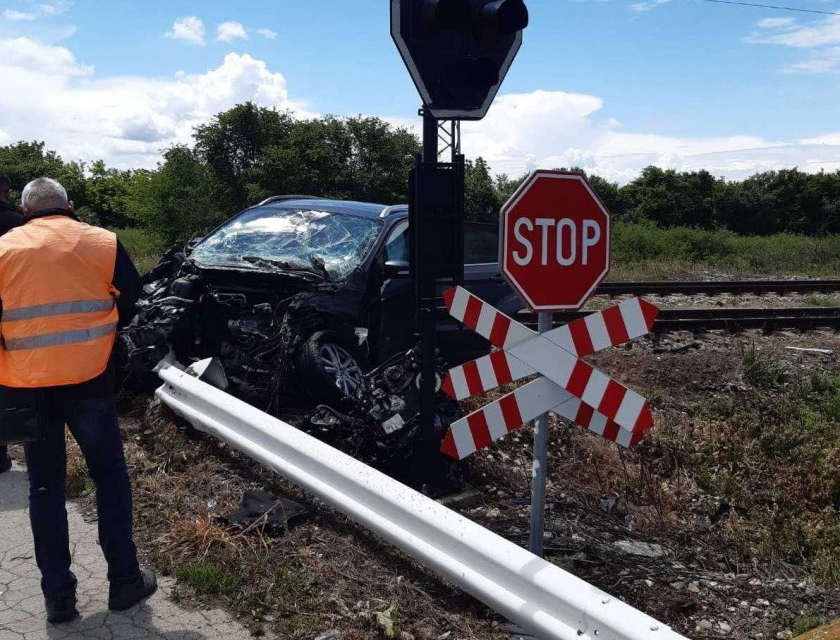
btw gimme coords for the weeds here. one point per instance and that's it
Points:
(78, 483)
(761, 370)
(821, 301)
(208, 579)
(643, 249)
(807, 621)
(145, 248)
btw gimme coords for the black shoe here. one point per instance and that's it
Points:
(5, 464)
(126, 595)
(61, 609)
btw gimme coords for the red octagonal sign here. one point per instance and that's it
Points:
(555, 241)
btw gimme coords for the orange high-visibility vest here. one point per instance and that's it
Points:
(59, 305)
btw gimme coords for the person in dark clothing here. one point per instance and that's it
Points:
(65, 288)
(9, 216)
(9, 219)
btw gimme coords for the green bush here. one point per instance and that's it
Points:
(636, 243)
(144, 247)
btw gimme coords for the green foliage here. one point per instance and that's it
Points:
(208, 578)
(176, 202)
(807, 621)
(761, 370)
(249, 153)
(645, 243)
(252, 153)
(144, 247)
(481, 198)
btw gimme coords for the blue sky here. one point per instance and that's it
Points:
(608, 84)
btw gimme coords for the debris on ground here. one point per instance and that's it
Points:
(261, 509)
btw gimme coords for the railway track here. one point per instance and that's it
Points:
(733, 319)
(717, 288)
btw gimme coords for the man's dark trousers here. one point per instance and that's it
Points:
(93, 423)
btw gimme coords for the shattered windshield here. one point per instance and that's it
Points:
(322, 242)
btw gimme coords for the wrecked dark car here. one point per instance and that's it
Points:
(298, 297)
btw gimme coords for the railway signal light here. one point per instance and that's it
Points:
(458, 51)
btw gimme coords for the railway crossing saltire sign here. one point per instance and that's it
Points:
(567, 385)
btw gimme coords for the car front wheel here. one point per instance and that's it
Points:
(331, 367)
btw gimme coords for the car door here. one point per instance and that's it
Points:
(396, 318)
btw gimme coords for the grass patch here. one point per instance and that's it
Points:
(208, 579)
(144, 247)
(760, 369)
(821, 301)
(770, 451)
(641, 250)
(807, 621)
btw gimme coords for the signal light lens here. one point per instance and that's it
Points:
(500, 18)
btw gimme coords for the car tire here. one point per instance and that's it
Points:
(331, 367)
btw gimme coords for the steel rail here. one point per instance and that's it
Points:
(717, 288)
(542, 598)
(723, 319)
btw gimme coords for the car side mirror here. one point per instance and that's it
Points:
(397, 269)
(192, 243)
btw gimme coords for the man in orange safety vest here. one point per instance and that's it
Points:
(65, 287)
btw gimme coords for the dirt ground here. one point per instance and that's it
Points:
(723, 523)
(639, 525)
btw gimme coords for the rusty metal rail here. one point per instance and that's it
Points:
(718, 288)
(724, 319)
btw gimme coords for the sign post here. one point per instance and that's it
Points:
(555, 246)
(539, 467)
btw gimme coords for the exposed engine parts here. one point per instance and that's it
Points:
(255, 334)
(381, 424)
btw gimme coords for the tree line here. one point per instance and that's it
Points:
(249, 153)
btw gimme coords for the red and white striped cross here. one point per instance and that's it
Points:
(568, 386)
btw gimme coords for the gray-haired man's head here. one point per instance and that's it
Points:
(42, 194)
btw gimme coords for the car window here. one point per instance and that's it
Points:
(396, 248)
(278, 239)
(481, 243)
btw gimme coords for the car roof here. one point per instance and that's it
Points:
(361, 209)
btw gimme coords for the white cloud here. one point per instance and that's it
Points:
(128, 120)
(25, 54)
(774, 23)
(14, 14)
(54, 8)
(230, 31)
(647, 6)
(189, 29)
(125, 120)
(821, 39)
(267, 34)
(549, 129)
(43, 10)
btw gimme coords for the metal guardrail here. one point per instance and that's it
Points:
(545, 600)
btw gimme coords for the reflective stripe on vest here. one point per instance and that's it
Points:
(61, 338)
(57, 309)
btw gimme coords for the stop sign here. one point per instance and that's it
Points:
(555, 241)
